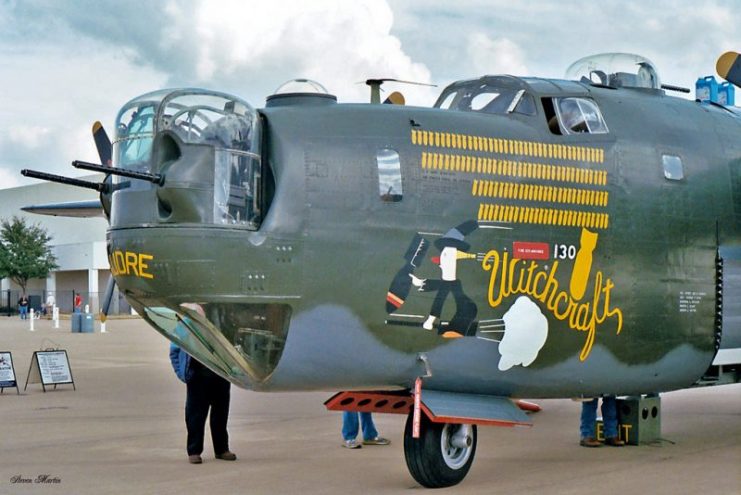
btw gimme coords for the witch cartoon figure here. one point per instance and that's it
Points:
(452, 248)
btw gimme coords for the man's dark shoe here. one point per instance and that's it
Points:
(589, 442)
(195, 459)
(227, 456)
(614, 442)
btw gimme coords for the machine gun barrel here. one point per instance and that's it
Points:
(98, 186)
(678, 89)
(154, 178)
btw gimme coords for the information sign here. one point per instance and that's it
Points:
(50, 367)
(7, 372)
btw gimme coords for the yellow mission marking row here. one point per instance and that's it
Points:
(491, 166)
(532, 192)
(507, 146)
(543, 216)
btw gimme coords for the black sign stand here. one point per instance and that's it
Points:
(7, 372)
(52, 368)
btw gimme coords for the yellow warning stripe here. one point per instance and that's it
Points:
(534, 192)
(512, 168)
(485, 144)
(542, 216)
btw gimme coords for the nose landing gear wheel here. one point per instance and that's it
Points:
(443, 453)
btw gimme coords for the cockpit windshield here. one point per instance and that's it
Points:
(489, 94)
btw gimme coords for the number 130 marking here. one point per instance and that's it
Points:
(564, 251)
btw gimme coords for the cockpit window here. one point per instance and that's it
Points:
(578, 115)
(494, 94)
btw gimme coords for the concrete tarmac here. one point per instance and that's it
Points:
(122, 431)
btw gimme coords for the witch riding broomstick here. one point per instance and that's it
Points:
(452, 248)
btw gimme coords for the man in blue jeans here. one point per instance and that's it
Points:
(23, 307)
(609, 420)
(350, 427)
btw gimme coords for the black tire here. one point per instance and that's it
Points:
(428, 464)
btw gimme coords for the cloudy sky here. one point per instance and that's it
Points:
(65, 64)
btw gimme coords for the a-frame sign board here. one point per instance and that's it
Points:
(7, 372)
(50, 367)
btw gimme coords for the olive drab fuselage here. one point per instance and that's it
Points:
(519, 258)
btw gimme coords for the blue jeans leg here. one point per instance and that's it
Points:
(609, 416)
(588, 418)
(350, 425)
(369, 429)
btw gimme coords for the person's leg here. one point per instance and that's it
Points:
(196, 411)
(588, 418)
(609, 417)
(350, 425)
(220, 392)
(369, 429)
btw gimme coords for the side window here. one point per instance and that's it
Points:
(389, 175)
(673, 168)
(577, 115)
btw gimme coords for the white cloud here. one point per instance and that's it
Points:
(495, 56)
(334, 42)
(51, 97)
(28, 136)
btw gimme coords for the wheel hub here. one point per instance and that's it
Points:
(455, 444)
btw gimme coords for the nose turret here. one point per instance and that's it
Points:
(206, 148)
(186, 250)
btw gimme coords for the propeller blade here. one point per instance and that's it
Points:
(395, 98)
(729, 67)
(103, 143)
(107, 298)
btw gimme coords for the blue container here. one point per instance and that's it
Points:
(88, 323)
(706, 89)
(76, 319)
(83, 323)
(726, 94)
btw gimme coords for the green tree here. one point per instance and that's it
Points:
(24, 252)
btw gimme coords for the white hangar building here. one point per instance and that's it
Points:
(78, 244)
